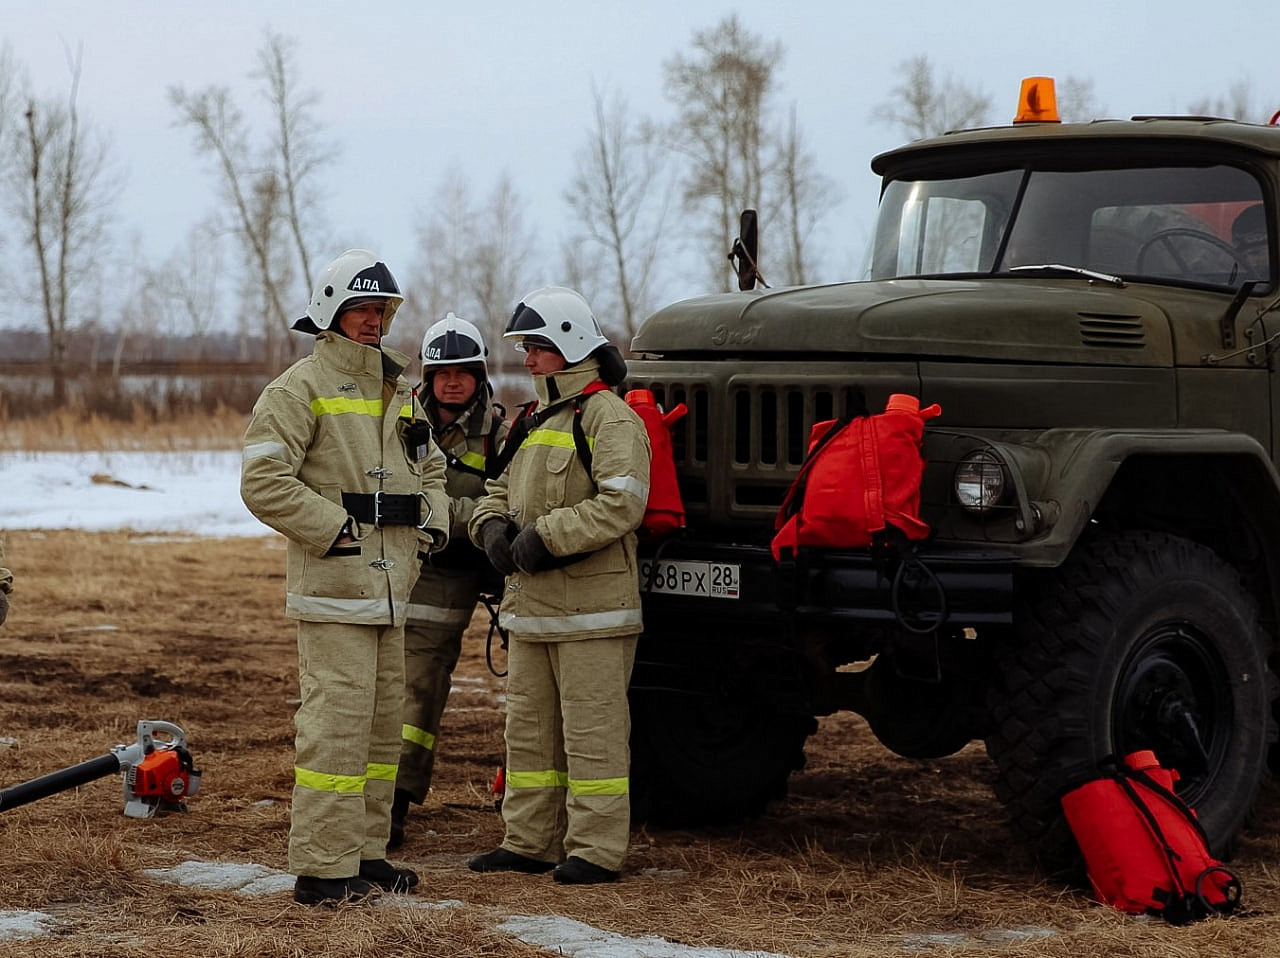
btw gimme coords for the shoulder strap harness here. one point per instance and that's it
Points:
(528, 421)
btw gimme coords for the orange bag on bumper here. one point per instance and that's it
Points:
(859, 476)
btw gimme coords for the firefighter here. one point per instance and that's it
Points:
(560, 524)
(6, 586)
(338, 460)
(469, 427)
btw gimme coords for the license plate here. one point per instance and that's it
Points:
(711, 580)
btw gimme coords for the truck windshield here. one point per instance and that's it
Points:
(1199, 226)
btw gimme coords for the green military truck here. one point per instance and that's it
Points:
(1094, 307)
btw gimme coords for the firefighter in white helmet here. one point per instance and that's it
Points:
(560, 522)
(470, 427)
(338, 459)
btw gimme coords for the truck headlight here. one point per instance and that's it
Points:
(979, 482)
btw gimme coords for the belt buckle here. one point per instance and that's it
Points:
(422, 526)
(377, 508)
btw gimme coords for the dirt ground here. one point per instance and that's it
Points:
(869, 855)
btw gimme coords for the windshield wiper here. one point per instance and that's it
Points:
(1077, 270)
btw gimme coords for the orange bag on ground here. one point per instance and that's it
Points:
(1143, 848)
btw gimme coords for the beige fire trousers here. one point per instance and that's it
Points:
(347, 740)
(568, 757)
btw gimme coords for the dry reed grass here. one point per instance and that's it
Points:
(72, 429)
(870, 855)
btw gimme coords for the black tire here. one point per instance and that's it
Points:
(714, 755)
(1140, 641)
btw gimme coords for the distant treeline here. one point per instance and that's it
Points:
(98, 347)
(124, 377)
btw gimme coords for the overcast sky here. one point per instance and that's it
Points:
(410, 88)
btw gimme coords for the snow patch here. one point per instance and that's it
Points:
(577, 940)
(246, 879)
(17, 925)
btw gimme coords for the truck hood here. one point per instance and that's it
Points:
(1015, 319)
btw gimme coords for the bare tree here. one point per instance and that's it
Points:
(584, 268)
(721, 93)
(802, 195)
(472, 260)
(11, 99)
(1076, 100)
(296, 145)
(62, 189)
(445, 236)
(921, 105)
(268, 189)
(499, 272)
(188, 286)
(221, 133)
(617, 199)
(1236, 104)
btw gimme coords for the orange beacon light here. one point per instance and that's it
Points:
(1037, 102)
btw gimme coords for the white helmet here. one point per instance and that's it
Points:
(453, 342)
(557, 317)
(355, 277)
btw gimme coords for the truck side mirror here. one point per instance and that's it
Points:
(743, 253)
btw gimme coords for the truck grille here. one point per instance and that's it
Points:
(768, 437)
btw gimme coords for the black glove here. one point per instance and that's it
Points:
(528, 551)
(4, 606)
(493, 539)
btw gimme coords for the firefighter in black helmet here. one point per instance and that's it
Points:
(469, 427)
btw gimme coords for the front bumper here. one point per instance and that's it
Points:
(966, 587)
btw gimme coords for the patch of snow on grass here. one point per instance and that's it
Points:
(247, 879)
(577, 940)
(16, 925)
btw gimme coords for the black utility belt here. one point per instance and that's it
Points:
(385, 508)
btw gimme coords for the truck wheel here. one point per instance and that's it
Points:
(712, 756)
(1139, 641)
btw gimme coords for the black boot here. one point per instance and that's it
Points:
(308, 890)
(386, 876)
(399, 812)
(502, 860)
(579, 871)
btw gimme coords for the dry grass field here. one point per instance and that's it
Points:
(869, 855)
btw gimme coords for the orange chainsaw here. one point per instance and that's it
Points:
(158, 773)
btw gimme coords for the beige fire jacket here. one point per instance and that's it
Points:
(575, 511)
(319, 430)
